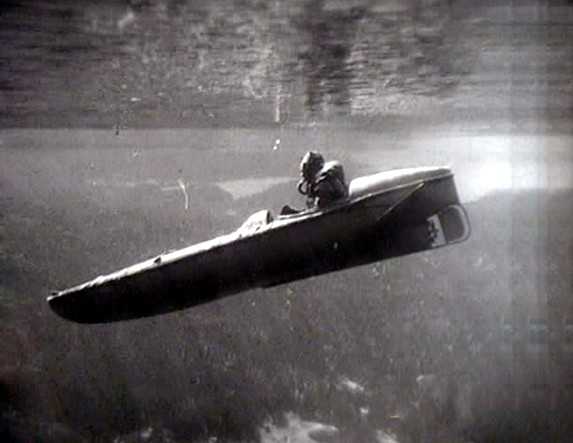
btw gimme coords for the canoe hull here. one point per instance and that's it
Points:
(377, 226)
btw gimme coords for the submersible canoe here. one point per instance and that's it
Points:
(389, 214)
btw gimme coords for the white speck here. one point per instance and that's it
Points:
(146, 433)
(425, 380)
(135, 99)
(364, 411)
(296, 430)
(183, 188)
(351, 386)
(277, 143)
(385, 437)
(126, 20)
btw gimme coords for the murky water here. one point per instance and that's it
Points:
(176, 63)
(434, 346)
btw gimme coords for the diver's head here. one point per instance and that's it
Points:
(311, 164)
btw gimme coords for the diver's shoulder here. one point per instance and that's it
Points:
(332, 166)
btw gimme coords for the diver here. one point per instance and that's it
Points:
(321, 182)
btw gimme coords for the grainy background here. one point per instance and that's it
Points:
(129, 128)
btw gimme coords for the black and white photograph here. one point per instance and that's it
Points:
(286, 221)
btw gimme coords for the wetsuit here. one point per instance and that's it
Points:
(328, 187)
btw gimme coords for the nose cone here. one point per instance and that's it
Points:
(67, 306)
(62, 309)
